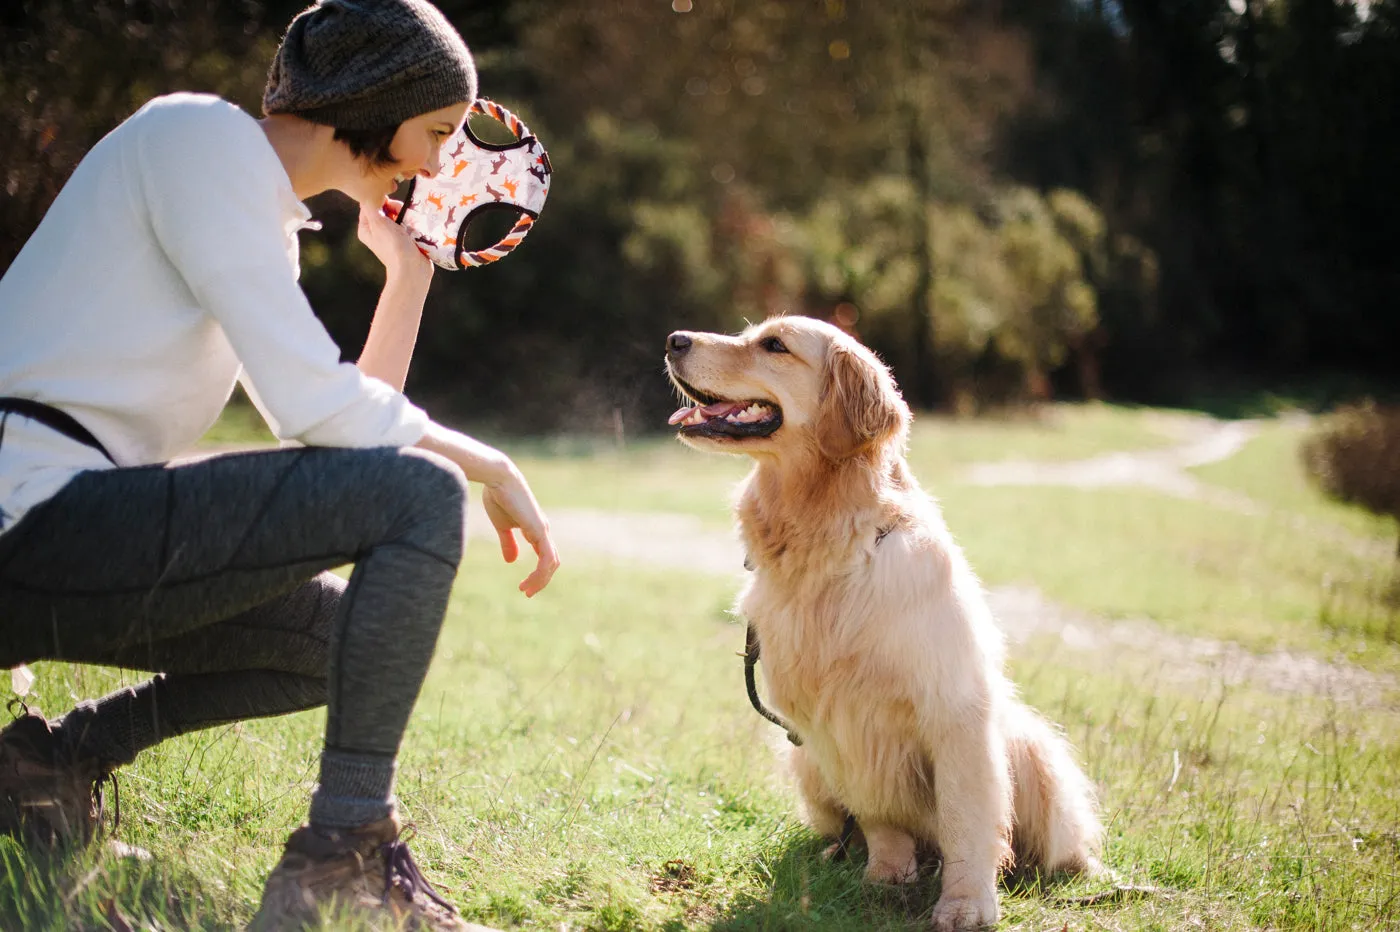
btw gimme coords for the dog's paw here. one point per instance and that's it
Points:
(965, 913)
(835, 852)
(892, 870)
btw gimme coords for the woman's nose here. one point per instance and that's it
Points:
(434, 164)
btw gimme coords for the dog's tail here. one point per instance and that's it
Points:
(1057, 825)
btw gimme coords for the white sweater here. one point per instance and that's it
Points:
(165, 270)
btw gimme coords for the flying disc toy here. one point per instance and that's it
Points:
(477, 177)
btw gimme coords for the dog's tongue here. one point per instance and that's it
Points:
(718, 409)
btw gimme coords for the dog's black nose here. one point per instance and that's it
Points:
(677, 343)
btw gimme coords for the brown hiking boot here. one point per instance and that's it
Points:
(367, 873)
(46, 797)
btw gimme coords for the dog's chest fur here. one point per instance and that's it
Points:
(866, 620)
(810, 598)
(839, 672)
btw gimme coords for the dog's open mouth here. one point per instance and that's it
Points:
(715, 417)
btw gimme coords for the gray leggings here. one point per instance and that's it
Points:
(213, 574)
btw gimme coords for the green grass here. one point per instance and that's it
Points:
(240, 424)
(939, 447)
(587, 759)
(1122, 553)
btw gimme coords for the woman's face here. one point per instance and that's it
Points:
(417, 150)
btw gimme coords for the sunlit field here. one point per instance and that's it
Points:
(588, 759)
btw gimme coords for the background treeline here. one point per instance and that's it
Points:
(1009, 200)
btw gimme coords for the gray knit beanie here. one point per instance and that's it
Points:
(369, 64)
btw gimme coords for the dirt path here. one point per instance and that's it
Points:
(1204, 440)
(685, 542)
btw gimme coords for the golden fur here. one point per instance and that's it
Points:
(881, 651)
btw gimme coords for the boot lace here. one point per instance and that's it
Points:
(401, 871)
(108, 777)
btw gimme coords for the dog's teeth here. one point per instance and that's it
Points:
(754, 412)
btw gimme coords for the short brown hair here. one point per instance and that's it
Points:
(373, 145)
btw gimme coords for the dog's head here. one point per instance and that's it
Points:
(786, 382)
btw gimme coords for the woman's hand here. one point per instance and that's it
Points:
(407, 274)
(507, 498)
(391, 243)
(510, 505)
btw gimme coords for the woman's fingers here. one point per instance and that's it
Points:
(510, 547)
(509, 511)
(391, 243)
(504, 524)
(545, 565)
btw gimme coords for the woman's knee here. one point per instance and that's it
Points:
(387, 495)
(438, 474)
(432, 493)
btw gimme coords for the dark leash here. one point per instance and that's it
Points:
(750, 662)
(751, 649)
(751, 652)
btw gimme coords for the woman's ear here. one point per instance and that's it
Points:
(860, 408)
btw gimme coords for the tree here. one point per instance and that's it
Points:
(74, 70)
(1247, 145)
(807, 108)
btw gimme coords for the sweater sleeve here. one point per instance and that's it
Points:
(215, 193)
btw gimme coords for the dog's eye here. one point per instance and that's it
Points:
(774, 345)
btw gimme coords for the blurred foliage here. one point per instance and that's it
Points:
(1355, 457)
(1251, 144)
(1006, 199)
(74, 69)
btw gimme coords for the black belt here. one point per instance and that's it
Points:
(53, 418)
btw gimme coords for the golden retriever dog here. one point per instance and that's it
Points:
(878, 646)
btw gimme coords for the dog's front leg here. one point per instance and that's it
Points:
(824, 812)
(892, 854)
(972, 791)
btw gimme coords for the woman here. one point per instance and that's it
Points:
(165, 270)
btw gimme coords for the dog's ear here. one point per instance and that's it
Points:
(860, 406)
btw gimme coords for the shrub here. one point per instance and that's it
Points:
(1355, 457)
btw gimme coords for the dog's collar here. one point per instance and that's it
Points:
(880, 534)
